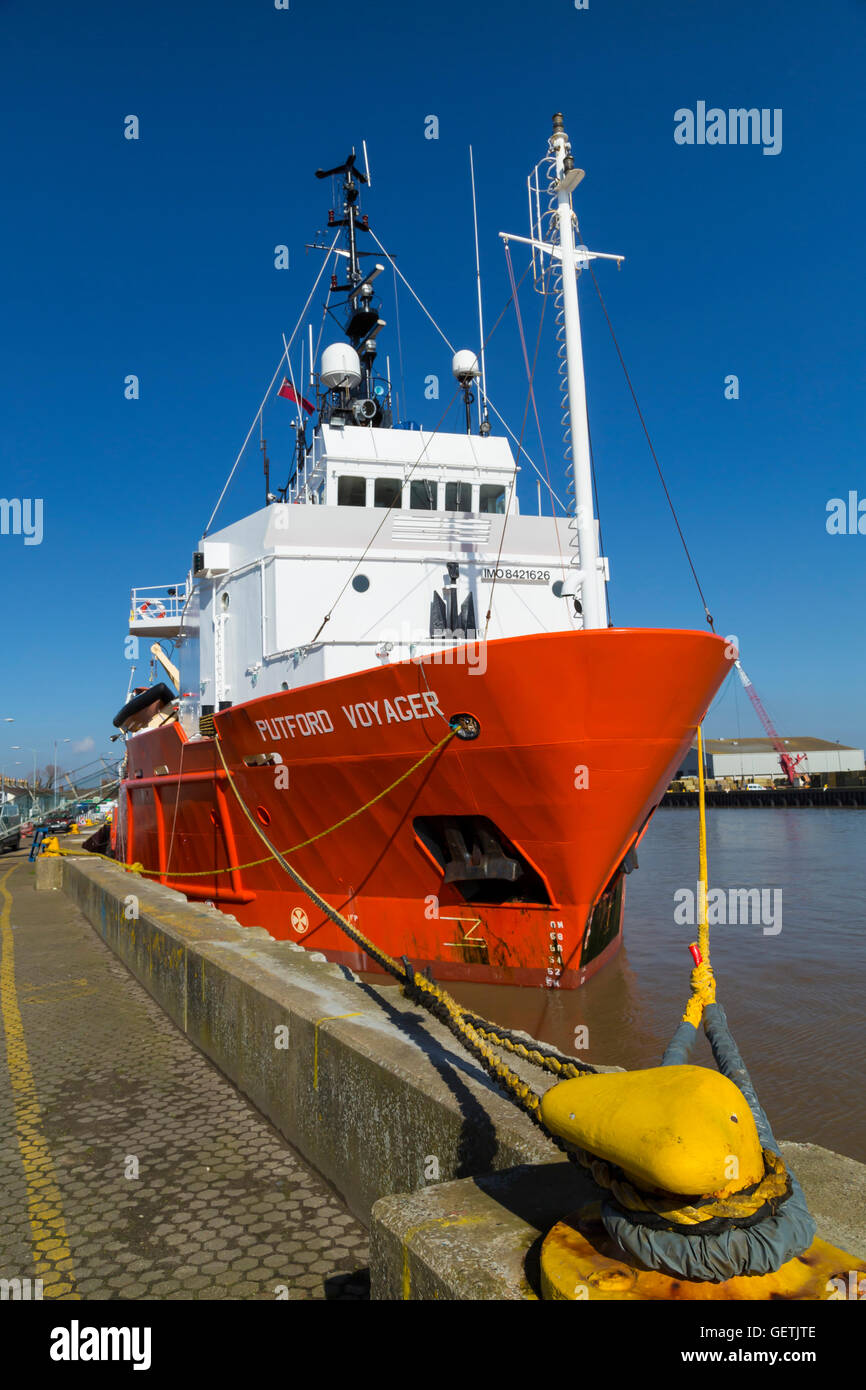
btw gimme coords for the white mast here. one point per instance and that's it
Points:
(592, 566)
(482, 395)
(591, 577)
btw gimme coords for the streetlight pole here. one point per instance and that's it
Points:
(56, 741)
(6, 720)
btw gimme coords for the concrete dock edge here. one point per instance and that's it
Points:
(479, 1238)
(375, 1094)
(457, 1185)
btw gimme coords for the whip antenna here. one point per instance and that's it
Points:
(483, 422)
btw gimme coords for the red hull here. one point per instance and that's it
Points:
(580, 735)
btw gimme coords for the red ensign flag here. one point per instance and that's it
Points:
(288, 391)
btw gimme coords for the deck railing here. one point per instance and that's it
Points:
(158, 603)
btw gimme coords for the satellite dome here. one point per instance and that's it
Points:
(341, 367)
(464, 365)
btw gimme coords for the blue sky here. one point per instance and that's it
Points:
(156, 257)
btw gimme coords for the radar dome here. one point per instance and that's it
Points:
(341, 367)
(464, 365)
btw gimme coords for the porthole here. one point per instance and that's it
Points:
(360, 583)
(224, 600)
(284, 685)
(556, 586)
(263, 815)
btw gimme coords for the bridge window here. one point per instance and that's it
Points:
(492, 498)
(388, 492)
(422, 495)
(351, 492)
(458, 497)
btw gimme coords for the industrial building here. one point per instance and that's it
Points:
(748, 759)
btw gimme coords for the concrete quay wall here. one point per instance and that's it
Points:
(376, 1095)
(370, 1090)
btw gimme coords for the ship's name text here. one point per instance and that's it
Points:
(364, 715)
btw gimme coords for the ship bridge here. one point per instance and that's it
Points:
(412, 471)
(392, 549)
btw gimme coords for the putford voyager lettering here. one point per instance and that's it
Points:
(367, 713)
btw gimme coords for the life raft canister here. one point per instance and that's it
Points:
(159, 695)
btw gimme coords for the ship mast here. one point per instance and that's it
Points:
(591, 576)
(592, 565)
(368, 397)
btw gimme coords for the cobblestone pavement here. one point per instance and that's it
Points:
(130, 1168)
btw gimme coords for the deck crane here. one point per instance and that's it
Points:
(788, 763)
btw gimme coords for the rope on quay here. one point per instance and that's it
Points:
(699, 1235)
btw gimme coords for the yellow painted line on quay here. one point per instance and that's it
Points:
(329, 1018)
(429, 1225)
(52, 1257)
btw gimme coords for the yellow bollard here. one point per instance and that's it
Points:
(580, 1262)
(673, 1128)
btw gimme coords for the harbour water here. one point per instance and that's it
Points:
(794, 997)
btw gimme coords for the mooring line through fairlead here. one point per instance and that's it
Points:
(474, 1036)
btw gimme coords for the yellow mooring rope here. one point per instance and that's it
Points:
(137, 868)
(476, 1034)
(703, 980)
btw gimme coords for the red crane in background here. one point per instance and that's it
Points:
(788, 763)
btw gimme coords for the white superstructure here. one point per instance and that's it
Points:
(395, 580)
(389, 542)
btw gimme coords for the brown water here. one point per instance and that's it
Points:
(794, 1000)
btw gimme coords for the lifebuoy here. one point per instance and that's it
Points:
(152, 608)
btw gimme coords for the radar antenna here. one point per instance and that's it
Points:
(366, 401)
